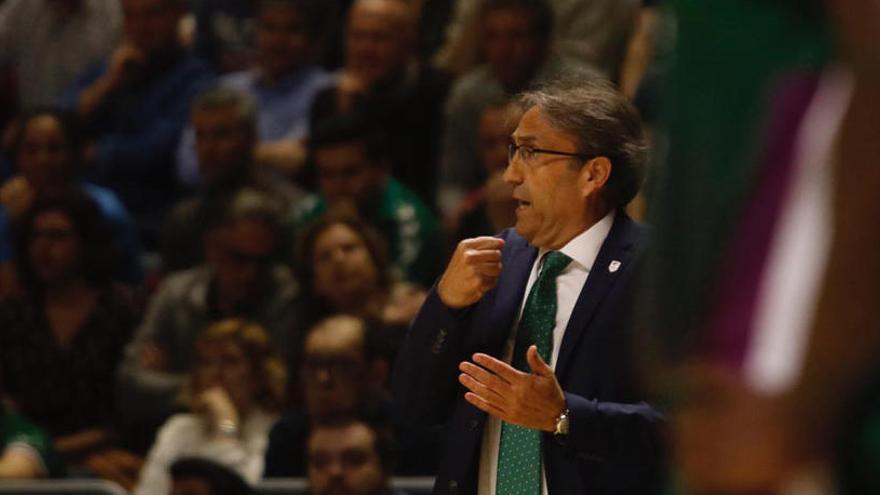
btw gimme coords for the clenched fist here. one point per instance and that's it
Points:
(473, 270)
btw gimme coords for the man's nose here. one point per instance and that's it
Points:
(251, 269)
(512, 173)
(212, 373)
(335, 470)
(337, 255)
(324, 376)
(272, 39)
(334, 187)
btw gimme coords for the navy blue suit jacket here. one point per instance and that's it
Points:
(613, 446)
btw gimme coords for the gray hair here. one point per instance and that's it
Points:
(251, 204)
(603, 123)
(224, 98)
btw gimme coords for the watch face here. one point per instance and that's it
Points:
(562, 424)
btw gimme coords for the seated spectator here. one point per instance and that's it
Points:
(350, 456)
(352, 163)
(26, 450)
(62, 340)
(236, 385)
(343, 370)
(195, 476)
(225, 124)
(135, 105)
(344, 269)
(383, 80)
(283, 83)
(339, 370)
(238, 280)
(48, 153)
(49, 43)
(593, 33)
(490, 208)
(517, 37)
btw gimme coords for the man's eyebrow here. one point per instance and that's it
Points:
(522, 138)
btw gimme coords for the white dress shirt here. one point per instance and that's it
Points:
(187, 435)
(583, 251)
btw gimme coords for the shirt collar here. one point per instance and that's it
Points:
(286, 82)
(584, 248)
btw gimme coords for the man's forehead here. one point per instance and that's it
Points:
(335, 338)
(351, 154)
(275, 11)
(521, 18)
(244, 233)
(534, 127)
(341, 438)
(392, 11)
(215, 116)
(217, 126)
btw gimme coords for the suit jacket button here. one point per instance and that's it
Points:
(439, 342)
(474, 424)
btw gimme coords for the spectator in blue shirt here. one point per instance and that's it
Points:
(283, 83)
(47, 153)
(224, 121)
(136, 104)
(383, 81)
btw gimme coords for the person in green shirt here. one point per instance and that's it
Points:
(25, 450)
(352, 163)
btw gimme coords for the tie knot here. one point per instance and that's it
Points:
(554, 263)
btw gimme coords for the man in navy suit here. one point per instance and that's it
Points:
(531, 370)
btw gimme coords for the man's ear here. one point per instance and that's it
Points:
(594, 175)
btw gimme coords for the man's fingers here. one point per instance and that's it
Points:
(479, 388)
(491, 269)
(491, 380)
(536, 364)
(484, 405)
(500, 368)
(477, 256)
(106, 469)
(124, 460)
(483, 242)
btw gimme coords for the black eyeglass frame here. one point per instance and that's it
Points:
(513, 148)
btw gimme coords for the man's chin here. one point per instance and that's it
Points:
(524, 231)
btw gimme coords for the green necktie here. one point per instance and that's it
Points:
(519, 451)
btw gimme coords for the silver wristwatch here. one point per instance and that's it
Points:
(562, 423)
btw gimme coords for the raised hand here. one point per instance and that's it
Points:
(215, 402)
(532, 400)
(125, 65)
(473, 270)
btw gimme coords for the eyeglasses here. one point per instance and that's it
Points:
(335, 367)
(527, 153)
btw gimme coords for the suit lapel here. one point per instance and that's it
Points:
(511, 290)
(613, 260)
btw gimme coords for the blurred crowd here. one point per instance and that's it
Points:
(219, 217)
